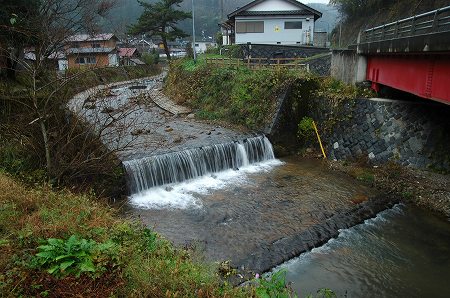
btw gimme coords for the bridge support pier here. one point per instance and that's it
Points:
(348, 66)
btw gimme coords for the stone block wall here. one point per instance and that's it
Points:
(415, 134)
(281, 51)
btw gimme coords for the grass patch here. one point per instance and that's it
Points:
(237, 95)
(62, 244)
(248, 97)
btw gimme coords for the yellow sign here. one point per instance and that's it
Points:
(277, 28)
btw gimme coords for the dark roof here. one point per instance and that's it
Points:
(243, 10)
(127, 52)
(89, 50)
(275, 12)
(91, 37)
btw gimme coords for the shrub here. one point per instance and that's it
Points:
(274, 286)
(305, 130)
(240, 96)
(73, 256)
(233, 51)
(151, 58)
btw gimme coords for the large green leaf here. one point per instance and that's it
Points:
(55, 242)
(87, 266)
(53, 269)
(66, 265)
(61, 257)
(46, 254)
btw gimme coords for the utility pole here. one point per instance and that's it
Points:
(193, 32)
(221, 10)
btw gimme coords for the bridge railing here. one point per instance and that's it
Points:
(430, 22)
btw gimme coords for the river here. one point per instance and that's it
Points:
(225, 194)
(403, 252)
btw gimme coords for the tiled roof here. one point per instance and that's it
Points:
(89, 50)
(127, 52)
(239, 11)
(274, 12)
(91, 37)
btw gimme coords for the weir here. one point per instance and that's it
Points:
(177, 167)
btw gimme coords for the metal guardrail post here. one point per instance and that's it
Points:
(396, 30)
(435, 21)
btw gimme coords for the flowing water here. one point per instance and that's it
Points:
(231, 197)
(228, 200)
(403, 252)
(231, 213)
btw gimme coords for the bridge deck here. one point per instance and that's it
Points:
(411, 55)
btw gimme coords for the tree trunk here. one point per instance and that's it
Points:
(41, 120)
(10, 69)
(166, 47)
(46, 146)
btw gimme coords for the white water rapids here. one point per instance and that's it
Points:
(173, 180)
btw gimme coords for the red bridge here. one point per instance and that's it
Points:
(411, 55)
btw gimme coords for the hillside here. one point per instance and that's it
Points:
(209, 13)
(371, 13)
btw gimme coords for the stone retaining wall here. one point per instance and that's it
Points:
(413, 134)
(281, 51)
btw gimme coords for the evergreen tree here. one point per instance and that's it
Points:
(160, 19)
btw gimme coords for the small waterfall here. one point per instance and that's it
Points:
(176, 167)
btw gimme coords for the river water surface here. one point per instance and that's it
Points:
(403, 252)
(228, 215)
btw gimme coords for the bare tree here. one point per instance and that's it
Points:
(44, 26)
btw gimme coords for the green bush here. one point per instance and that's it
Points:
(212, 51)
(305, 130)
(274, 286)
(233, 51)
(240, 96)
(151, 58)
(74, 256)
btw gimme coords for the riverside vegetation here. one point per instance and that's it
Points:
(247, 97)
(59, 238)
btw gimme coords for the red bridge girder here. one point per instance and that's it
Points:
(425, 75)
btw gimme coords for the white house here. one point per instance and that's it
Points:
(286, 22)
(202, 46)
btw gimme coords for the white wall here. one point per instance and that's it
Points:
(113, 59)
(271, 5)
(63, 64)
(274, 31)
(201, 46)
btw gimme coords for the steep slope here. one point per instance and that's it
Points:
(371, 13)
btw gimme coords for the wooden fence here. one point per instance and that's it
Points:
(260, 63)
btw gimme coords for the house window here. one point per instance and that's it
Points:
(293, 25)
(85, 60)
(96, 45)
(250, 27)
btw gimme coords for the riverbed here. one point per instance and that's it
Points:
(231, 215)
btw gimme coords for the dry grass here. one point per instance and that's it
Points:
(145, 265)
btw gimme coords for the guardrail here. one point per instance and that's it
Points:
(259, 63)
(430, 22)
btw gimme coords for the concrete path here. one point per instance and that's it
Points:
(165, 103)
